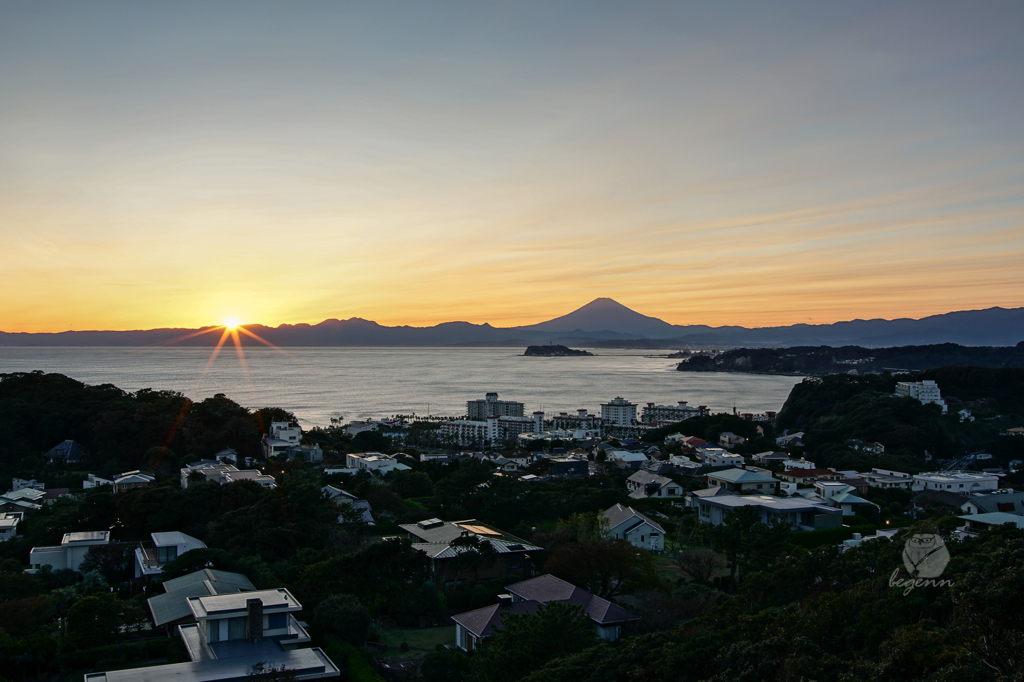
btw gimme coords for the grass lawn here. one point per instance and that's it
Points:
(418, 639)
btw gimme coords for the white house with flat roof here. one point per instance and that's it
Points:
(927, 392)
(955, 481)
(165, 547)
(9, 524)
(71, 551)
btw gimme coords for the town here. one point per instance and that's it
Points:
(145, 536)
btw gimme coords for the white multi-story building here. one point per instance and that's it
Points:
(373, 462)
(493, 430)
(619, 412)
(926, 391)
(581, 421)
(955, 481)
(672, 413)
(482, 408)
(71, 551)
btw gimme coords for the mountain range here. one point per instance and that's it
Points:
(601, 323)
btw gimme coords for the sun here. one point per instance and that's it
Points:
(231, 323)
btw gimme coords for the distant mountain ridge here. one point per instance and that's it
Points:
(603, 322)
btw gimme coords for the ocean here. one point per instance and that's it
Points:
(318, 384)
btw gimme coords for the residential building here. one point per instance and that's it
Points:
(672, 413)
(644, 484)
(628, 459)
(9, 524)
(373, 462)
(474, 627)
(492, 430)
(791, 439)
(618, 412)
(841, 496)
(207, 470)
(742, 481)
(608, 620)
(869, 448)
(489, 406)
(130, 480)
(68, 452)
(21, 483)
(956, 481)
(20, 502)
(1004, 500)
(349, 504)
(797, 513)
(581, 421)
(692, 497)
(94, 481)
(626, 523)
(976, 523)
(809, 476)
(886, 478)
(569, 466)
(728, 439)
(801, 464)
(769, 456)
(150, 557)
(71, 551)
(927, 392)
(171, 609)
(718, 457)
(281, 437)
(258, 477)
(435, 537)
(230, 633)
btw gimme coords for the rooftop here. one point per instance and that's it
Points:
(226, 605)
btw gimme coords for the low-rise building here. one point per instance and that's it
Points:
(444, 542)
(150, 557)
(280, 437)
(230, 634)
(629, 459)
(718, 457)
(1006, 500)
(351, 507)
(743, 481)
(171, 609)
(977, 523)
(9, 525)
(475, 627)
(841, 496)
(955, 481)
(644, 484)
(869, 448)
(887, 478)
(131, 480)
(94, 481)
(797, 513)
(373, 462)
(809, 476)
(71, 551)
(68, 452)
(626, 523)
(728, 439)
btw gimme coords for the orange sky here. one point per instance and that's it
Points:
(506, 165)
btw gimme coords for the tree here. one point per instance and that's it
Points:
(603, 566)
(526, 642)
(699, 564)
(268, 672)
(94, 621)
(345, 616)
(747, 542)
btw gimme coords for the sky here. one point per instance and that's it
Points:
(748, 163)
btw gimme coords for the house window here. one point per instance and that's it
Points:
(165, 554)
(515, 561)
(641, 538)
(236, 627)
(277, 621)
